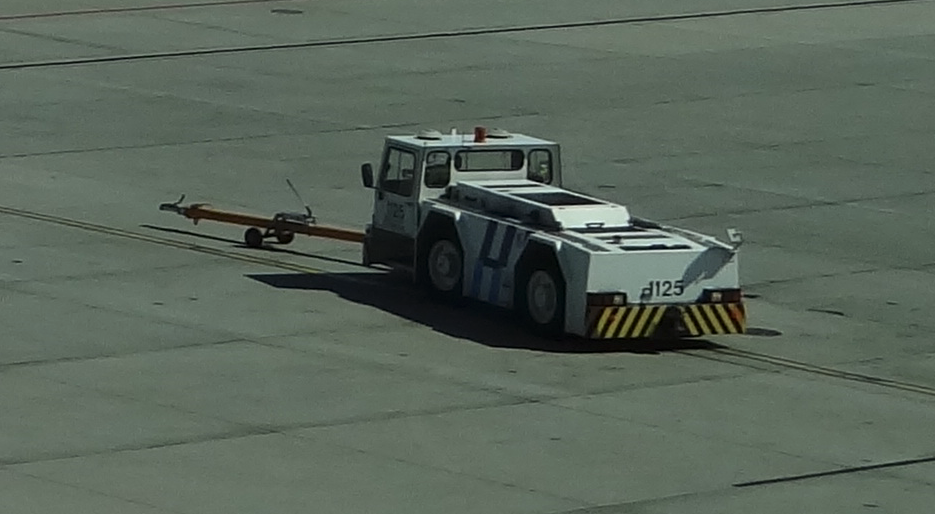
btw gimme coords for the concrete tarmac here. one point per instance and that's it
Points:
(149, 365)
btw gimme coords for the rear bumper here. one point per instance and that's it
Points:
(661, 320)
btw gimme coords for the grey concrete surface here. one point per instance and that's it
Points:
(150, 365)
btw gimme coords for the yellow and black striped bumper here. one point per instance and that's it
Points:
(640, 321)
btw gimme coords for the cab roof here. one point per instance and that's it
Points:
(492, 139)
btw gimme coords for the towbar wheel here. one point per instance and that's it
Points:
(253, 237)
(285, 237)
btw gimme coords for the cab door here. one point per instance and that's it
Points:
(395, 208)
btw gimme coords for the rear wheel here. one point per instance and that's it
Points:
(444, 266)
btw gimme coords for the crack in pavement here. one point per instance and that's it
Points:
(809, 203)
(122, 10)
(245, 430)
(93, 491)
(451, 33)
(105, 356)
(219, 28)
(60, 39)
(234, 139)
(11, 286)
(454, 472)
(923, 268)
(112, 273)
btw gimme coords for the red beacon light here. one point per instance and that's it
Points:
(480, 134)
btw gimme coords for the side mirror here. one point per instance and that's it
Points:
(366, 174)
(736, 237)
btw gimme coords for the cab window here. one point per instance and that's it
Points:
(437, 169)
(489, 160)
(398, 172)
(540, 166)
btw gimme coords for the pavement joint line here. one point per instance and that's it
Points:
(246, 430)
(627, 507)
(173, 243)
(455, 472)
(807, 205)
(924, 268)
(58, 39)
(391, 415)
(331, 349)
(784, 363)
(401, 365)
(91, 490)
(120, 10)
(138, 90)
(549, 398)
(711, 437)
(234, 139)
(259, 430)
(116, 355)
(776, 361)
(117, 148)
(848, 375)
(11, 286)
(655, 384)
(243, 426)
(846, 273)
(219, 28)
(634, 506)
(846, 319)
(305, 269)
(92, 275)
(455, 33)
(839, 471)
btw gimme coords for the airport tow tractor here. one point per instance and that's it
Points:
(485, 217)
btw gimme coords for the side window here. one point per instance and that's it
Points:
(540, 166)
(437, 169)
(398, 172)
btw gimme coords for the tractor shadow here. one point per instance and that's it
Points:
(473, 321)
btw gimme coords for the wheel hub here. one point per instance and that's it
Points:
(444, 265)
(541, 297)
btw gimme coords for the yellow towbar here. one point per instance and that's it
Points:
(283, 225)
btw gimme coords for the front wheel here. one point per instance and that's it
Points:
(285, 237)
(253, 237)
(540, 299)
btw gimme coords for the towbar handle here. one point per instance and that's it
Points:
(173, 207)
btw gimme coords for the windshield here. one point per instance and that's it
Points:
(489, 160)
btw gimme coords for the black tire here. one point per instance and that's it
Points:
(444, 268)
(440, 262)
(365, 254)
(253, 237)
(543, 313)
(285, 238)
